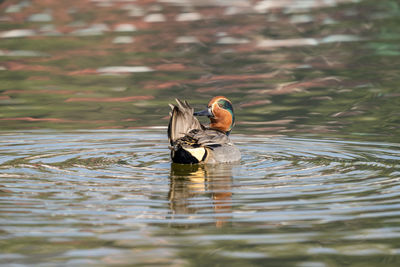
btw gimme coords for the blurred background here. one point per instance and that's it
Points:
(325, 67)
(85, 171)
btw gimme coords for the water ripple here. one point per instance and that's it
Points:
(94, 187)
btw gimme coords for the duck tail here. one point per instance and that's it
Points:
(182, 121)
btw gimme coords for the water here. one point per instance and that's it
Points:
(112, 197)
(85, 174)
(322, 67)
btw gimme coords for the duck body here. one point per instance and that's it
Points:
(191, 142)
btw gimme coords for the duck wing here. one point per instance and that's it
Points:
(209, 137)
(182, 121)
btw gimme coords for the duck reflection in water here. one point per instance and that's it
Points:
(201, 189)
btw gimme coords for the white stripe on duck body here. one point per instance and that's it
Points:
(191, 142)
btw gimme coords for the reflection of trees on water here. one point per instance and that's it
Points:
(288, 66)
(201, 189)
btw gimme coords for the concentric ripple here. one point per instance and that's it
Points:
(113, 197)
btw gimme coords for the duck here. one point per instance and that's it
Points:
(194, 143)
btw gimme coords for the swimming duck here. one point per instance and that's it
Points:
(191, 142)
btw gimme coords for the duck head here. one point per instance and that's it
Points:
(220, 112)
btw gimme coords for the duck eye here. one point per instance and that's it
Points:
(220, 105)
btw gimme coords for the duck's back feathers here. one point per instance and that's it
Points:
(210, 146)
(209, 137)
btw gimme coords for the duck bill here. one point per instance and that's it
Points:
(206, 112)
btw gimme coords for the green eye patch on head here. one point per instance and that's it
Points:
(222, 103)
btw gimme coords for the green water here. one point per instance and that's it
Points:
(85, 175)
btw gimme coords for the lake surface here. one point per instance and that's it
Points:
(85, 174)
(113, 197)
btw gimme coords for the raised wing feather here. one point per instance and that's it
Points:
(182, 121)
